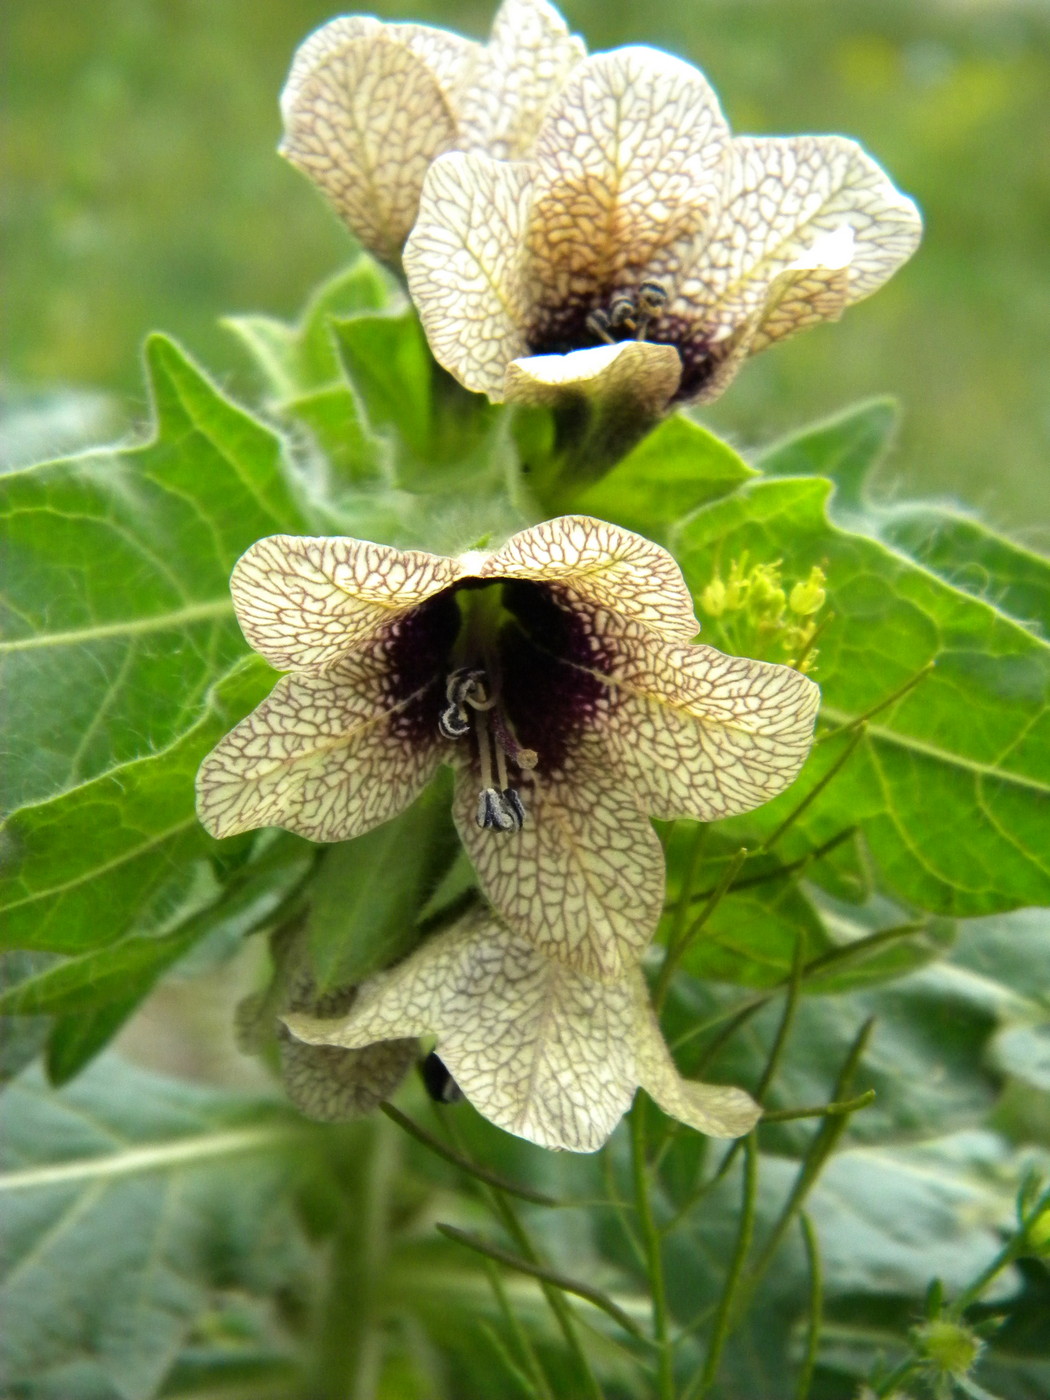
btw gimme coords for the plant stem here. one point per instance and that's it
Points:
(816, 1306)
(348, 1356)
(677, 948)
(653, 1250)
(817, 788)
(721, 1326)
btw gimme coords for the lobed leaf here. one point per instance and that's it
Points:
(117, 608)
(949, 783)
(80, 870)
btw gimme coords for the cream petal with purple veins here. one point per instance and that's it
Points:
(539, 1049)
(583, 879)
(529, 56)
(603, 565)
(304, 602)
(553, 674)
(701, 735)
(368, 106)
(323, 756)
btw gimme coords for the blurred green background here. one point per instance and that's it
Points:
(143, 191)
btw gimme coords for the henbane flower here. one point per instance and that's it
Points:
(540, 1049)
(367, 106)
(554, 674)
(641, 249)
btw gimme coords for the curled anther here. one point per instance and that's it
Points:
(623, 312)
(651, 299)
(454, 722)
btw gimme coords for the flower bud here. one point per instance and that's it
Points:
(713, 598)
(809, 596)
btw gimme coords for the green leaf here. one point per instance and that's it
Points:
(959, 547)
(118, 613)
(95, 979)
(949, 783)
(388, 363)
(845, 447)
(79, 1036)
(296, 358)
(80, 870)
(926, 1061)
(366, 898)
(750, 937)
(676, 468)
(974, 559)
(130, 1201)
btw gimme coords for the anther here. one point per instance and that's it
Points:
(652, 298)
(513, 804)
(622, 312)
(494, 813)
(598, 324)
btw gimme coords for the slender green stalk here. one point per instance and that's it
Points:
(677, 947)
(816, 1306)
(500, 1205)
(740, 1013)
(621, 1207)
(824, 1110)
(879, 706)
(727, 1302)
(464, 1164)
(541, 1385)
(779, 872)
(768, 1073)
(787, 1019)
(653, 1249)
(681, 913)
(817, 788)
(347, 1357)
(546, 1275)
(823, 1144)
(526, 1382)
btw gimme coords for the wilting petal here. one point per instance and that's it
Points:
(321, 756)
(463, 264)
(786, 195)
(715, 1109)
(540, 1050)
(304, 601)
(628, 162)
(583, 880)
(364, 117)
(639, 377)
(698, 734)
(604, 566)
(525, 64)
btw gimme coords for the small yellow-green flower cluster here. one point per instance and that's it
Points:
(758, 612)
